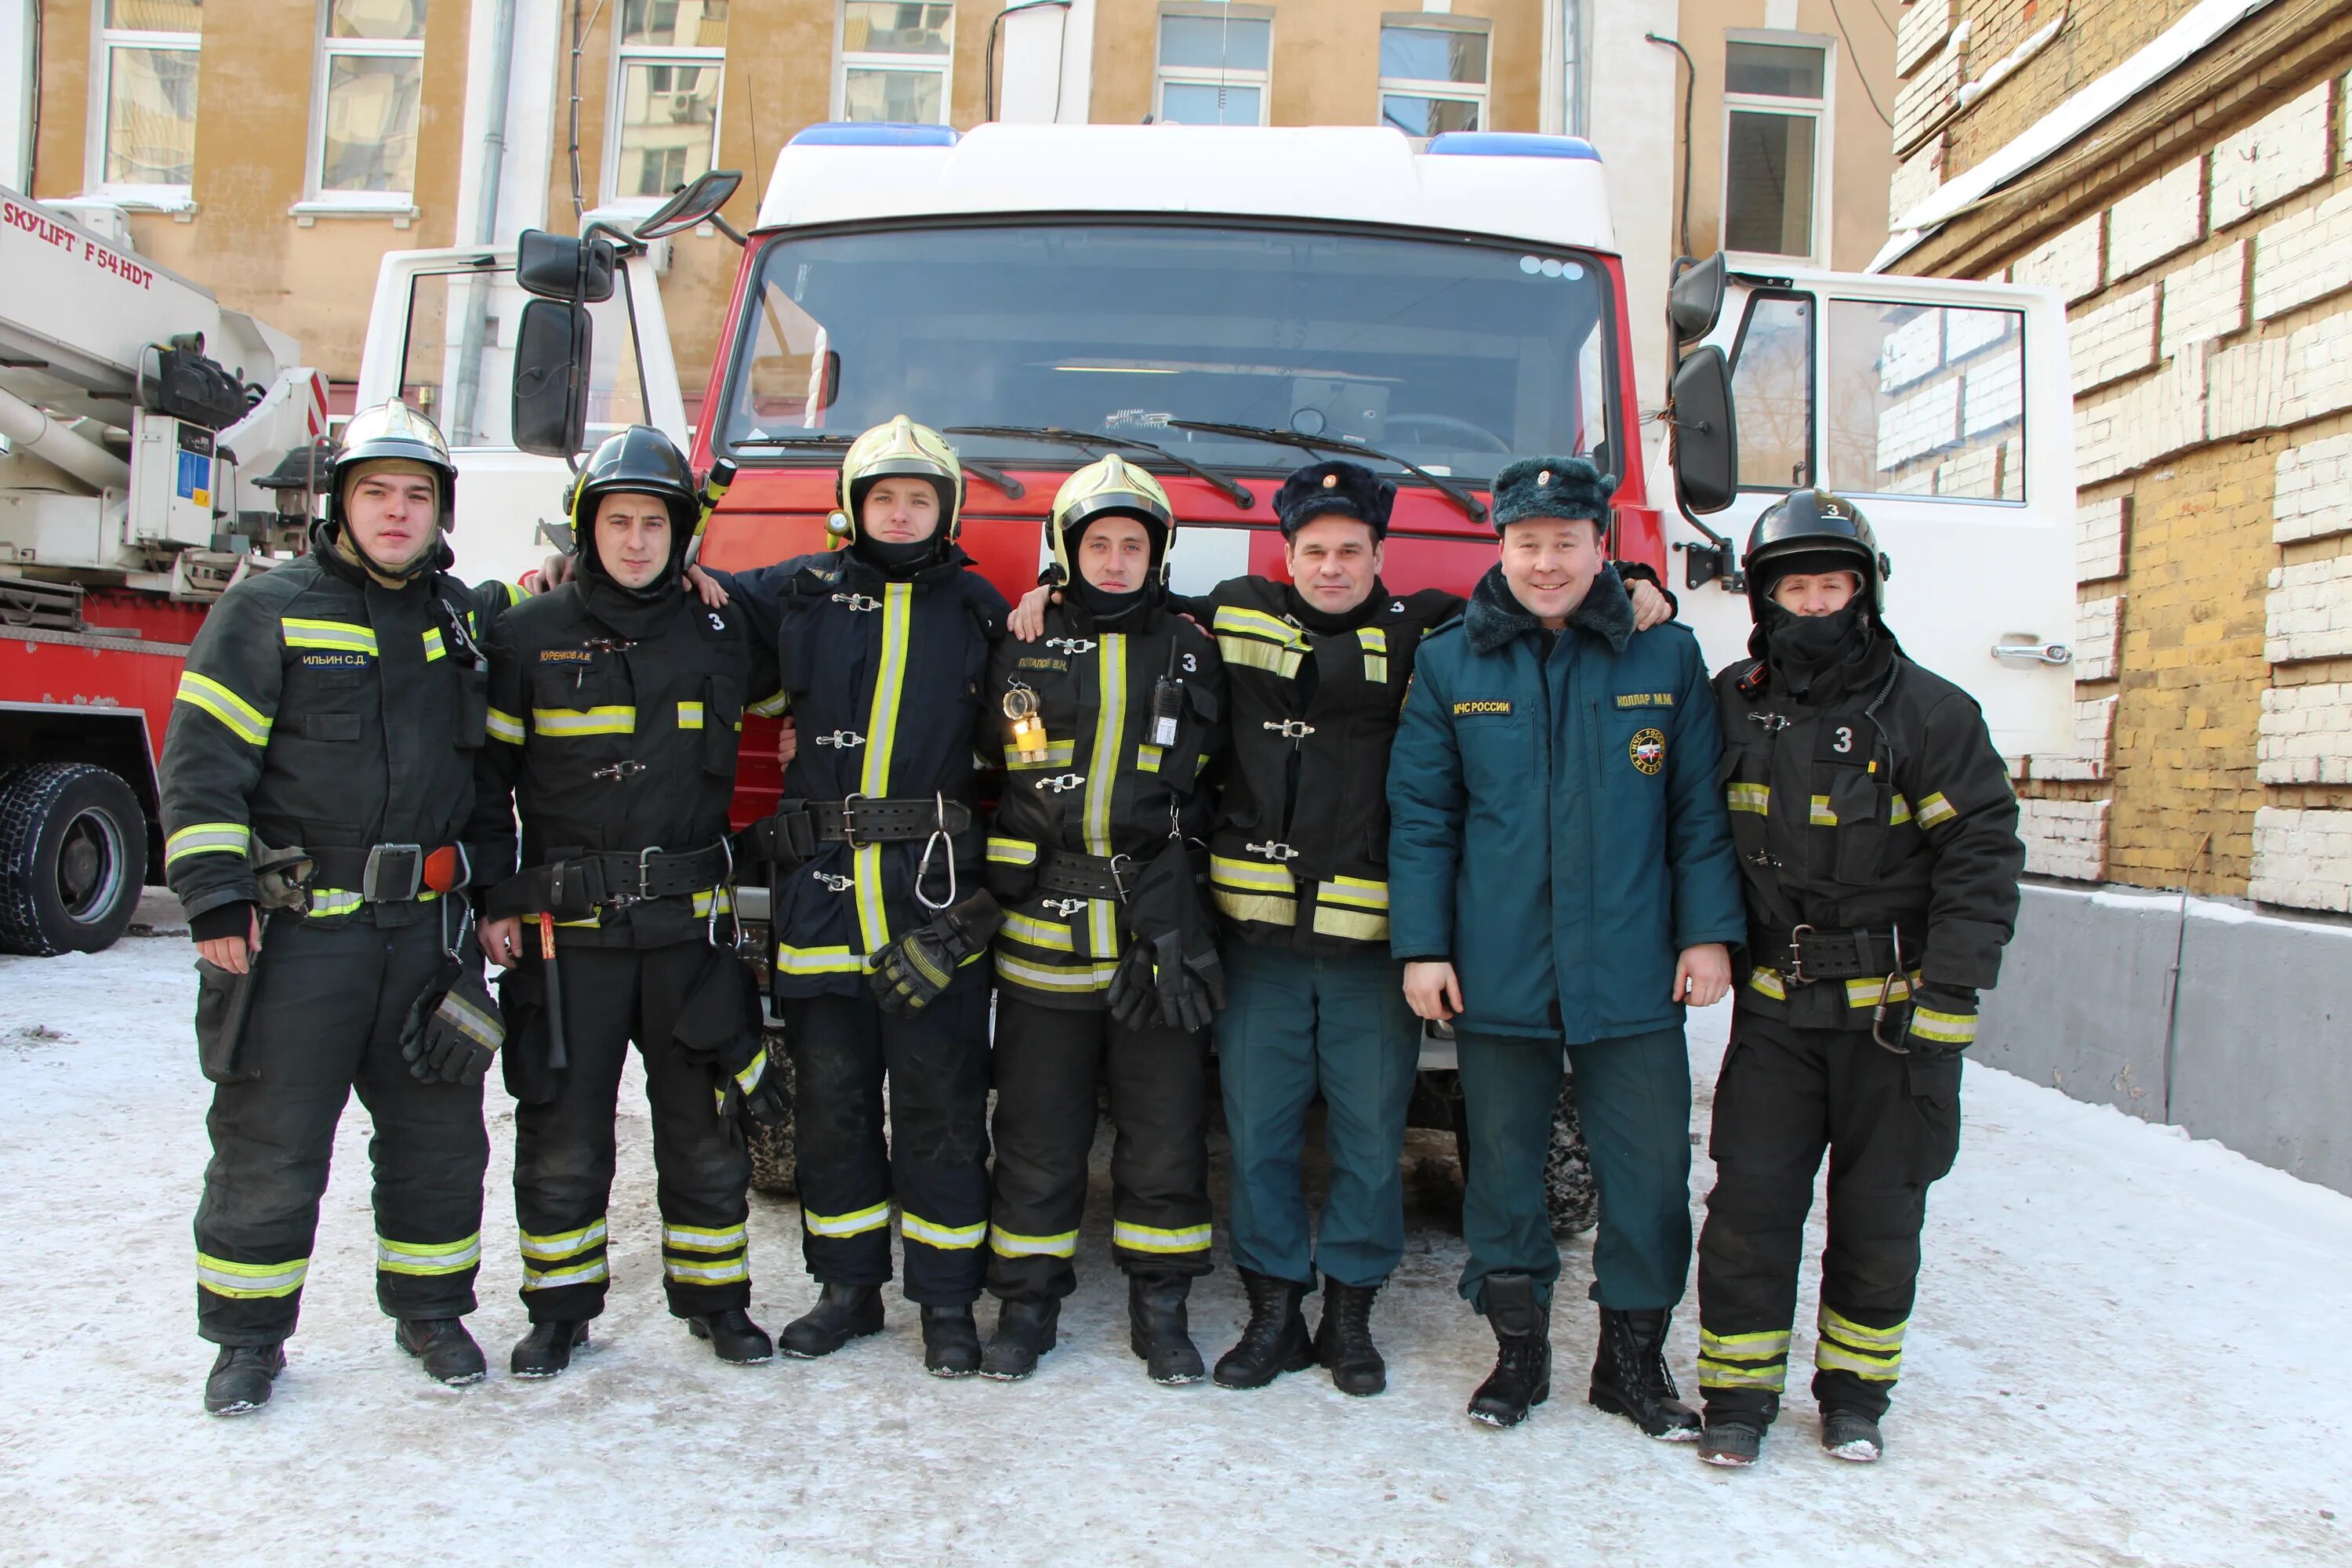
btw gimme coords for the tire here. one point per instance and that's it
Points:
(73, 857)
(773, 1167)
(1569, 1192)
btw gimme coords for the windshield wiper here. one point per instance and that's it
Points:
(1231, 488)
(1013, 488)
(1471, 506)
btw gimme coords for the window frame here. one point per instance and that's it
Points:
(318, 196)
(1814, 347)
(844, 61)
(1419, 86)
(104, 41)
(1820, 110)
(696, 57)
(1164, 74)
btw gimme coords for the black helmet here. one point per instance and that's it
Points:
(640, 460)
(393, 432)
(1813, 530)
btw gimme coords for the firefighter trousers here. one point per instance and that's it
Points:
(1048, 1061)
(935, 1161)
(565, 1144)
(1295, 1024)
(1891, 1125)
(328, 1006)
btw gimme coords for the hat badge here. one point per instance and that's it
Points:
(1331, 481)
(1544, 478)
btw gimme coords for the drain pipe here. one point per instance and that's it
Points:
(471, 344)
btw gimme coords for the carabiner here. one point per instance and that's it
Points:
(1878, 1016)
(923, 866)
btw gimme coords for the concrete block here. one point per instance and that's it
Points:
(2304, 257)
(2069, 262)
(2116, 340)
(2284, 152)
(2161, 218)
(2101, 537)
(2065, 837)
(2102, 1043)
(2098, 638)
(2308, 613)
(2206, 298)
(2303, 859)
(2306, 735)
(2311, 496)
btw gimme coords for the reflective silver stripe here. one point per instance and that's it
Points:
(207, 838)
(857, 1224)
(476, 1025)
(948, 1237)
(616, 719)
(245, 721)
(427, 1257)
(554, 1248)
(327, 901)
(249, 1281)
(1110, 720)
(724, 1271)
(505, 726)
(345, 636)
(696, 1238)
(1154, 1238)
(1007, 1245)
(587, 1273)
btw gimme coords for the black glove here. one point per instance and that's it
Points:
(1134, 995)
(755, 1094)
(454, 1029)
(916, 968)
(1943, 1018)
(1169, 919)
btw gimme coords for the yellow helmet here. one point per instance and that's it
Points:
(1110, 485)
(901, 449)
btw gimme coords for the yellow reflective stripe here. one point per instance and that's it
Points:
(483, 1028)
(703, 900)
(610, 720)
(1102, 928)
(1354, 890)
(1012, 851)
(1054, 976)
(753, 1071)
(1901, 813)
(1935, 810)
(706, 1271)
(857, 1224)
(1264, 908)
(1056, 754)
(881, 739)
(705, 1238)
(250, 1281)
(245, 721)
(1039, 934)
(1155, 1239)
(433, 648)
(505, 726)
(1766, 981)
(1110, 720)
(588, 1273)
(947, 1238)
(1870, 990)
(346, 636)
(1258, 624)
(1713, 1373)
(1006, 1244)
(689, 715)
(1376, 654)
(773, 704)
(1147, 757)
(1944, 1028)
(792, 960)
(1349, 923)
(1861, 1336)
(1762, 1345)
(1258, 875)
(207, 838)
(563, 1244)
(1831, 1356)
(1822, 816)
(1755, 797)
(1252, 654)
(427, 1257)
(326, 902)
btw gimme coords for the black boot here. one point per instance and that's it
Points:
(1630, 1377)
(1343, 1339)
(951, 1341)
(1275, 1339)
(1853, 1435)
(547, 1349)
(733, 1336)
(1733, 1438)
(1024, 1330)
(447, 1350)
(241, 1377)
(1157, 1330)
(841, 1313)
(1522, 1375)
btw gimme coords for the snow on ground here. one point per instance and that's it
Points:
(2129, 1347)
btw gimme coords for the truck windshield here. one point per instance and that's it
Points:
(1454, 355)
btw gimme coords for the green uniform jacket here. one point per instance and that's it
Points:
(1556, 828)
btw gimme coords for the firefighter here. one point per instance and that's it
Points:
(1106, 964)
(1877, 837)
(881, 918)
(1560, 874)
(615, 704)
(317, 777)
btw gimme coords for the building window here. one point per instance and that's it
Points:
(146, 130)
(1774, 111)
(1432, 74)
(897, 59)
(1215, 64)
(370, 80)
(666, 69)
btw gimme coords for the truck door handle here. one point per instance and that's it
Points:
(2037, 652)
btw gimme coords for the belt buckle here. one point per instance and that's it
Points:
(394, 873)
(849, 821)
(1796, 974)
(637, 895)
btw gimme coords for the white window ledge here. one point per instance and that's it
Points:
(400, 209)
(143, 198)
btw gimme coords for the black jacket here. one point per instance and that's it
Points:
(882, 677)
(1099, 788)
(614, 722)
(1879, 802)
(318, 708)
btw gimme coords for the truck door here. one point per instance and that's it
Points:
(1942, 409)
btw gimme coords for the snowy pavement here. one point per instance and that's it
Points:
(2129, 1347)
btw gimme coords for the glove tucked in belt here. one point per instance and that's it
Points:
(1170, 975)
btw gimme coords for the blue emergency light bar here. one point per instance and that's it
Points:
(1509, 144)
(874, 133)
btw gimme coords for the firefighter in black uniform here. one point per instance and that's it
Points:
(334, 707)
(1878, 838)
(615, 702)
(881, 918)
(1106, 964)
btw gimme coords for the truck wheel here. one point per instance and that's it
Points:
(773, 1170)
(73, 856)
(1569, 1190)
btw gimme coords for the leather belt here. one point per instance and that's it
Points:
(1087, 876)
(798, 827)
(389, 873)
(574, 887)
(1808, 953)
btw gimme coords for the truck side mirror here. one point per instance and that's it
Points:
(1694, 299)
(698, 202)
(549, 404)
(562, 267)
(1706, 438)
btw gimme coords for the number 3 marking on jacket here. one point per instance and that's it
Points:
(1192, 665)
(1844, 741)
